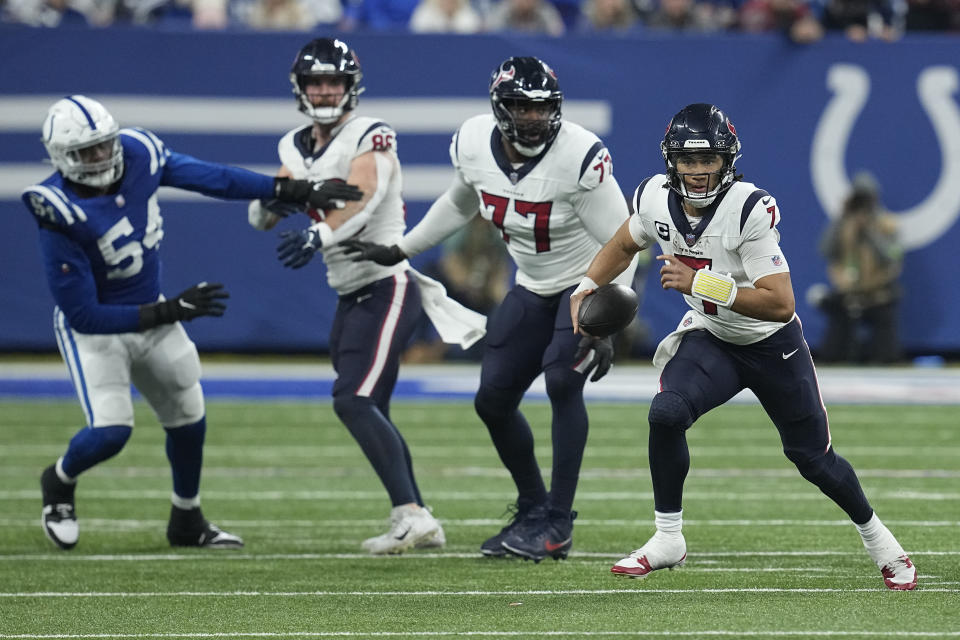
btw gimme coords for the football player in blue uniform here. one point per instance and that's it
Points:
(100, 231)
(720, 248)
(547, 185)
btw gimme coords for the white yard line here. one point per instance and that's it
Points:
(114, 471)
(310, 451)
(61, 557)
(130, 524)
(433, 593)
(500, 634)
(807, 493)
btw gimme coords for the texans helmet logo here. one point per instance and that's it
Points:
(505, 74)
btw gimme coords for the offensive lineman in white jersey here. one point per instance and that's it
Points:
(378, 307)
(720, 248)
(548, 185)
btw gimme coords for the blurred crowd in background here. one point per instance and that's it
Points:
(803, 21)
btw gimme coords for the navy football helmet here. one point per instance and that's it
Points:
(701, 128)
(326, 57)
(520, 82)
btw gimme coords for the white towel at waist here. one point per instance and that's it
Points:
(454, 322)
(669, 345)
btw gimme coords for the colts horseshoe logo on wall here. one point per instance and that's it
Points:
(850, 84)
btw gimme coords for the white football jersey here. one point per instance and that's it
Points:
(554, 212)
(356, 136)
(740, 239)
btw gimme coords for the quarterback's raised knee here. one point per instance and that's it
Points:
(670, 409)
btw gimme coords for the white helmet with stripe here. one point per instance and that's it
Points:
(82, 140)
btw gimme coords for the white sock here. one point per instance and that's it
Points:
(668, 524)
(185, 503)
(879, 542)
(64, 478)
(871, 529)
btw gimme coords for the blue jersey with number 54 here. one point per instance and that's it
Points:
(101, 253)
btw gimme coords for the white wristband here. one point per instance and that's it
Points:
(260, 218)
(326, 233)
(585, 284)
(714, 287)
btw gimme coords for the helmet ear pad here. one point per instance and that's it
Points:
(83, 142)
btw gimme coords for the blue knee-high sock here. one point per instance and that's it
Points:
(669, 417)
(569, 429)
(382, 444)
(93, 445)
(669, 460)
(834, 476)
(513, 440)
(185, 453)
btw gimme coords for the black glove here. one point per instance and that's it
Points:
(358, 250)
(280, 208)
(296, 248)
(602, 355)
(201, 299)
(325, 194)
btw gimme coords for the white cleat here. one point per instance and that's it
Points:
(60, 524)
(436, 541)
(410, 525)
(900, 574)
(658, 553)
(898, 571)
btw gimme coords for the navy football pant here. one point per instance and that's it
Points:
(526, 335)
(370, 330)
(707, 372)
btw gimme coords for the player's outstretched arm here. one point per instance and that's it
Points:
(224, 181)
(325, 194)
(202, 299)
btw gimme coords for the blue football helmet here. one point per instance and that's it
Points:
(520, 81)
(701, 128)
(326, 57)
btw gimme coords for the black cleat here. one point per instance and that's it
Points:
(493, 547)
(59, 518)
(188, 528)
(545, 532)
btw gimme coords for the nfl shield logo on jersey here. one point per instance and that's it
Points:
(777, 261)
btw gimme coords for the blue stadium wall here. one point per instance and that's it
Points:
(808, 117)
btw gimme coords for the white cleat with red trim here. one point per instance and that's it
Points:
(660, 552)
(900, 574)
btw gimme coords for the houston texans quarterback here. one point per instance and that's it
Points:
(547, 184)
(720, 248)
(379, 306)
(100, 232)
